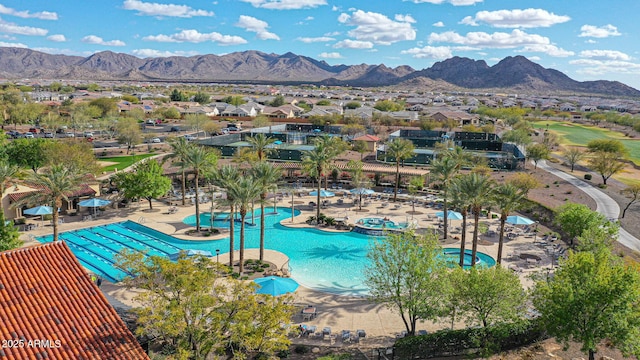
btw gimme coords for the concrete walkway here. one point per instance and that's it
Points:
(604, 203)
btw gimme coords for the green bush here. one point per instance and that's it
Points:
(587, 176)
(301, 349)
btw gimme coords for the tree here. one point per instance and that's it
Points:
(177, 95)
(202, 98)
(196, 121)
(356, 169)
(57, 183)
(388, 105)
(408, 275)
(266, 176)
(478, 192)
(507, 197)
(488, 296)
(352, 105)
(261, 145)
(277, 101)
(606, 164)
(211, 128)
(128, 132)
(575, 218)
(227, 176)
(146, 181)
(445, 170)
(592, 297)
(460, 201)
(360, 146)
(537, 152)
(202, 161)
(105, 105)
(607, 145)
(523, 181)
(179, 148)
(190, 305)
(30, 153)
(573, 155)
(244, 192)
(319, 161)
(631, 191)
(352, 129)
(75, 155)
(399, 150)
(416, 184)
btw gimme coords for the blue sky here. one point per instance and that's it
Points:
(587, 40)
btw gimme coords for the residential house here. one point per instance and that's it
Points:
(371, 141)
(461, 117)
(53, 310)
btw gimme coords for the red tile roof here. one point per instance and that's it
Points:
(45, 294)
(367, 137)
(84, 190)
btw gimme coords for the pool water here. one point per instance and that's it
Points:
(380, 223)
(452, 257)
(324, 261)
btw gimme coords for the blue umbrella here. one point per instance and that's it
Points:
(189, 253)
(95, 202)
(39, 210)
(277, 142)
(317, 130)
(361, 191)
(323, 193)
(274, 285)
(519, 220)
(451, 215)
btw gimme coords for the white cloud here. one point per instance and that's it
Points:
(92, 39)
(17, 45)
(548, 49)
(353, 44)
(429, 52)
(405, 18)
(527, 18)
(438, 24)
(452, 2)
(599, 67)
(308, 40)
(486, 40)
(194, 36)
(330, 55)
(309, 18)
(286, 4)
(145, 53)
(534, 58)
(249, 23)
(12, 28)
(42, 15)
(605, 55)
(156, 9)
(57, 38)
(599, 32)
(377, 28)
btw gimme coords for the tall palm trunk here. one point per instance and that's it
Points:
(445, 209)
(232, 235)
(54, 217)
(243, 214)
(197, 178)
(476, 221)
(318, 195)
(463, 236)
(184, 188)
(503, 220)
(395, 192)
(263, 197)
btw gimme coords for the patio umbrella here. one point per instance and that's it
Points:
(519, 220)
(274, 285)
(189, 253)
(317, 130)
(277, 142)
(94, 203)
(451, 215)
(39, 210)
(323, 193)
(361, 191)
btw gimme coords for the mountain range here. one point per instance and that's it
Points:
(517, 74)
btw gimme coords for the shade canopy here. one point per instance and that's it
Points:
(361, 191)
(451, 215)
(323, 193)
(317, 130)
(274, 285)
(189, 253)
(277, 142)
(39, 210)
(519, 220)
(95, 202)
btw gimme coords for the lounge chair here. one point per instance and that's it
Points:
(346, 336)
(310, 330)
(360, 335)
(326, 333)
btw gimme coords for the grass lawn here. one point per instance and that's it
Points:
(580, 135)
(122, 162)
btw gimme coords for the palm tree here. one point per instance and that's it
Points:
(416, 184)
(245, 191)
(400, 150)
(445, 169)
(57, 183)
(477, 189)
(179, 148)
(260, 144)
(318, 162)
(267, 176)
(203, 162)
(459, 200)
(226, 177)
(507, 197)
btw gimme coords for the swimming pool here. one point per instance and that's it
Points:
(452, 257)
(324, 261)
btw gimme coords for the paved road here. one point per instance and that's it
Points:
(604, 204)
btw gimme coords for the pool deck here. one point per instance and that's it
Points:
(336, 311)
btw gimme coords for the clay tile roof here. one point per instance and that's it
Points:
(84, 190)
(367, 137)
(46, 295)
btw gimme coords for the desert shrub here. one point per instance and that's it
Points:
(587, 176)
